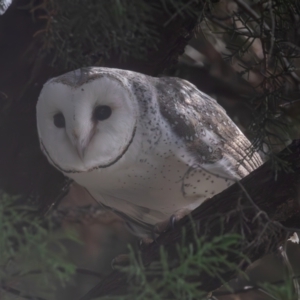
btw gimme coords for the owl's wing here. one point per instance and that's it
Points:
(209, 134)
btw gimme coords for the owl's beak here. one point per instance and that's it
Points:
(81, 144)
(80, 149)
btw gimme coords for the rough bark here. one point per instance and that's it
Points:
(259, 207)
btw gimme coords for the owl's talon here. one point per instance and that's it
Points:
(144, 242)
(165, 225)
(154, 234)
(173, 221)
(121, 260)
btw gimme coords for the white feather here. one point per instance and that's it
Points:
(134, 161)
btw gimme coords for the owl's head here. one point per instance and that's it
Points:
(86, 119)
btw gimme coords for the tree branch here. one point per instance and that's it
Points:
(260, 215)
(18, 293)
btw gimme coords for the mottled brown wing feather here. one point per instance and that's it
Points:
(194, 117)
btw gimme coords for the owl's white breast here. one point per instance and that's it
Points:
(164, 146)
(149, 183)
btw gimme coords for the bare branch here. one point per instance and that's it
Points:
(18, 293)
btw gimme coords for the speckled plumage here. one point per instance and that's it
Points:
(178, 145)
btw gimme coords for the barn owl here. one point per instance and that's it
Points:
(144, 147)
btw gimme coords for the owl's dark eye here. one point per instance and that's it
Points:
(102, 112)
(59, 120)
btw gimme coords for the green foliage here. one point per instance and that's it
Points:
(84, 33)
(283, 291)
(261, 40)
(32, 258)
(179, 278)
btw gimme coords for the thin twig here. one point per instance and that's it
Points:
(272, 32)
(248, 288)
(257, 18)
(290, 270)
(18, 293)
(88, 272)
